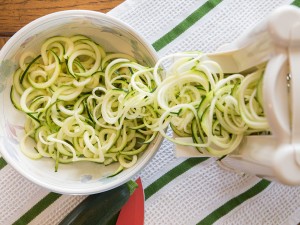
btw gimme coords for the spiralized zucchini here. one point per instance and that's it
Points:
(84, 104)
(216, 110)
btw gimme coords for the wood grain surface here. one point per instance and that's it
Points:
(14, 14)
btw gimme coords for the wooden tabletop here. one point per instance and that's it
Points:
(14, 14)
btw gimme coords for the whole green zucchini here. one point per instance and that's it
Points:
(102, 208)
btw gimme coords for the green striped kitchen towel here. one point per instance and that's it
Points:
(177, 191)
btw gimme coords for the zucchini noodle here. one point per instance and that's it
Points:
(214, 109)
(84, 104)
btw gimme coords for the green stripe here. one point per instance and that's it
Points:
(37, 209)
(296, 3)
(2, 163)
(171, 175)
(233, 203)
(185, 24)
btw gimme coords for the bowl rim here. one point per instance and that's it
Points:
(151, 150)
(76, 12)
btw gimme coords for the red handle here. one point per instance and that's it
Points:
(132, 212)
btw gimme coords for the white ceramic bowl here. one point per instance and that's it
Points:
(79, 177)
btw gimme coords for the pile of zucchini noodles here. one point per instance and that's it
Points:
(84, 104)
(212, 110)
